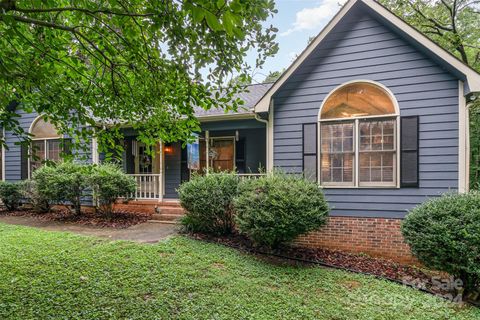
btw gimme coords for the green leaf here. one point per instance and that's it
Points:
(198, 14)
(220, 3)
(228, 23)
(212, 21)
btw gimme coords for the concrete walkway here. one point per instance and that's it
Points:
(149, 232)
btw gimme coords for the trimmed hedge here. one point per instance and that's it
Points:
(444, 234)
(35, 196)
(68, 183)
(10, 194)
(109, 183)
(63, 183)
(277, 208)
(208, 202)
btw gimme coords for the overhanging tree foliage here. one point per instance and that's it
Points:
(138, 63)
(455, 25)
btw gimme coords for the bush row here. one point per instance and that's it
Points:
(270, 210)
(69, 183)
(443, 233)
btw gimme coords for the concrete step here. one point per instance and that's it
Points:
(163, 221)
(170, 210)
(166, 217)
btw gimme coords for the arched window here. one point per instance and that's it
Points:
(358, 136)
(47, 143)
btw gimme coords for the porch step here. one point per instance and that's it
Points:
(166, 217)
(169, 210)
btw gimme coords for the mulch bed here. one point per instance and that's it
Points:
(422, 279)
(118, 220)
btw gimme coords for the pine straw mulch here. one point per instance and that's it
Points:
(117, 220)
(413, 276)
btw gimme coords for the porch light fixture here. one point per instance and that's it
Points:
(168, 148)
(237, 135)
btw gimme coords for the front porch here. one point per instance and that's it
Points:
(158, 175)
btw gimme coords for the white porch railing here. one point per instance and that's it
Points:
(149, 186)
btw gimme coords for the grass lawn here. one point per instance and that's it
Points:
(47, 275)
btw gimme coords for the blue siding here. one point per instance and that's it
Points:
(360, 47)
(12, 155)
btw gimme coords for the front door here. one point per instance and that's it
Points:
(143, 160)
(222, 153)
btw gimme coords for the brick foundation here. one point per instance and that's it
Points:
(378, 237)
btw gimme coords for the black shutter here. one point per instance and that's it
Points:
(309, 138)
(240, 153)
(409, 151)
(24, 161)
(184, 171)
(129, 157)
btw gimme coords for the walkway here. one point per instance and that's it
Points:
(149, 232)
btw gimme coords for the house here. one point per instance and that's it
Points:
(371, 109)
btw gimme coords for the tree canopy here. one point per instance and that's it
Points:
(143, 64)
(272, 76)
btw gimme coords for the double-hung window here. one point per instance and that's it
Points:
(47, 144)
(358, 137)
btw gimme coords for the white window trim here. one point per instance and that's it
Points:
(29, 158)
(356, 175)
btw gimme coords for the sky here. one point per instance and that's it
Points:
(297, 21)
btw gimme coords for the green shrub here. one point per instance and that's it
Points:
(33, 195)
(109, 183)
(63, 183)
(10, 194)
(444, 234)
(277, 208)
(207, 201)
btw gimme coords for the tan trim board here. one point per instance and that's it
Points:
(463, 143)
(226, 117)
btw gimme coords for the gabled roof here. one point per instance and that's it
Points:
(469, 75)
(252, 94)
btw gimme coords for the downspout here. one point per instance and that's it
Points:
(269, 141)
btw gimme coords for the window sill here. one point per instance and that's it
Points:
(360, 187)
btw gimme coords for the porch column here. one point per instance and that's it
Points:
(161, 178)
(95, 155)
(207, 144)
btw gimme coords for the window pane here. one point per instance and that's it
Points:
(54, 150)
(377, 135)
(377, 167)
(38, 154)
(337, 137)
(337, 152)
(358, 99)
(337, 167)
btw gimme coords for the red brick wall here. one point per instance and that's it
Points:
(377, 237)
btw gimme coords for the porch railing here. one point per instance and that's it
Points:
(149, 186)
